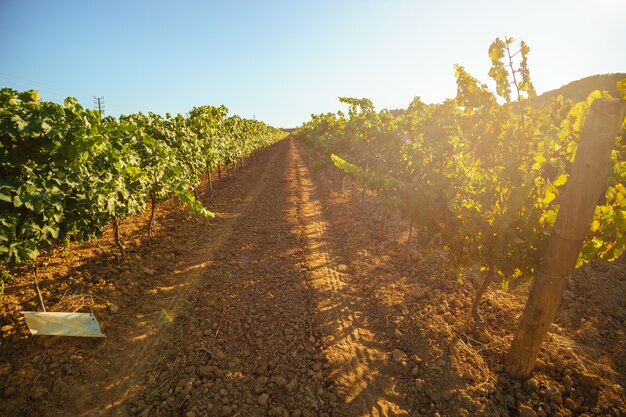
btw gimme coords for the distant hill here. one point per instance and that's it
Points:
(579, 90)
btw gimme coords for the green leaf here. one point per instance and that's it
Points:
(621, 88)
(5, 197)
(560, 180)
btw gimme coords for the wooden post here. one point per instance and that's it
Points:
(578, 202)
(489, 276)
(37, 290)
(210, 182)
(116, 236)
(151, 227)
(384, 221)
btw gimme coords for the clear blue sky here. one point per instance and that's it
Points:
(283, 60)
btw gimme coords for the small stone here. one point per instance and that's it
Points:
(278, 411)
(448, 318)
(191, 414)
(554, 328)
(420, 385)
(292, 386)
(38, 392)
(227, 411)
(484, 337)
(417, 293)
(205, 370)
(526, 411)
(532, 384)
(342, 267)
(280, 381)
(589, 380)
(398, 356)
(262, 399)
(113, 308)
(219, 355)
(567, 382)
(260, 381)
(5, 369)
(570, 404)
(446, 395)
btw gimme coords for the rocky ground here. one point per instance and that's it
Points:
(294, 303)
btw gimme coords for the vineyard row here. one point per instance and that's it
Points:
(65, 172)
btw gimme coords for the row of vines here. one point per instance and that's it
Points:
(482, 172)
(66, 173)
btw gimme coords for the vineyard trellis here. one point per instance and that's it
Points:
(482, 171)
(65, 174)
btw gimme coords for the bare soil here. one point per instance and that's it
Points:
(292, 303)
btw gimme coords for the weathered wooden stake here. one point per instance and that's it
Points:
(37, 290)
(489, 276)
(210, 179)
(578, 202)
(151, 227)
(407, 244)
(384, 221)
(116, 236)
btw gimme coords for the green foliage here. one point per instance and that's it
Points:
(485, 175)
(5, 277)
(621, 88)
(65, 174)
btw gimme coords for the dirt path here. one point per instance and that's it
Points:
(359, 365)
(177, 297)
(247, 341)
(248, 346)
(272, 291)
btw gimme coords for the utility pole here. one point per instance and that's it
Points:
(98, 104)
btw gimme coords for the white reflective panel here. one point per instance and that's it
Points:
(62, 324)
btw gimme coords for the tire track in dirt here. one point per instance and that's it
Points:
(104, 397)
(359, 367)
